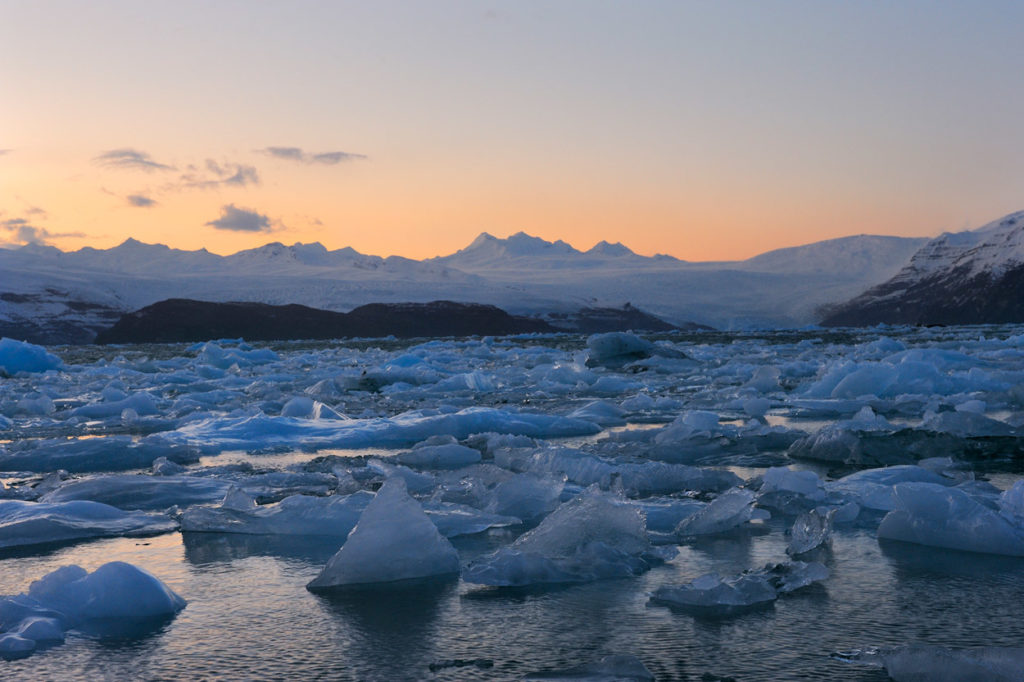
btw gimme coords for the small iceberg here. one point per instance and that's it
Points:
(590, 537)
(115, 594)
(711, 595)
(394, 541)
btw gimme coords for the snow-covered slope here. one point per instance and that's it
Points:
(957, 278)
(52, 296)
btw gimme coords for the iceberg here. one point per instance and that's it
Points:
(294, 515)
(725, 512)
(116, 594)
(20, 356)
(711, 595)
(590, 537)
(941, 516)
(811, 529)
(393, 541)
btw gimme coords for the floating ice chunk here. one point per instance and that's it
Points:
(873, 488)
(618, 668)
(941, 516)
(925, 662)
(130, 491)
(37, 404)
(109, 453)
(526, 497)
(459, 519)
(784, 480)
(165, 467)
(141, 403)
(393, 541)
(1011, 504)
(725, 512)
(600, 412)
(663, 515)
(712, 595)
(27, 523)
(756, 407)
(448, 455)
(334, 516)
(114, 590)
(307, 408)
(765, 379)
(587, 538)
(615, 349)
(223, 358)
(810, 530)
(641, 402)
(259, 431)
(20, 356)
(966, 424)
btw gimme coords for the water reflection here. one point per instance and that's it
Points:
(388, 630)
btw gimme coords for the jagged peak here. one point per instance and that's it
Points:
(605, 248)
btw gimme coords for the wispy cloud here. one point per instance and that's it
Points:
(242, 220)
(5, 151)
(140, 201)
(215, 174)
(324, 158)
(130, 159)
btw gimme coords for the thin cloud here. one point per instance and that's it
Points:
(140, 201)
(324, 158)
(216, 174)
(241, 220)
(5, 151)
(130, 159)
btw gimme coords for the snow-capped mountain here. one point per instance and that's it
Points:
(51, 296)
(957, 278)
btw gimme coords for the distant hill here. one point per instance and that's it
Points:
(184, 320)
(973, 277)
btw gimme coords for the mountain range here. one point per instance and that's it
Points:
(48, 295)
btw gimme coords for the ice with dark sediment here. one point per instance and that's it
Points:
(590, 537)
(933, 663)
(393, 541)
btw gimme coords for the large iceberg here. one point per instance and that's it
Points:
(19, 356)
(393, 541)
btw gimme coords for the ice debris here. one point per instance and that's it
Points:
(393, 541)
(725, 512)
(811, 530)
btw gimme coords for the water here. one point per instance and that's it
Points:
(250, 616)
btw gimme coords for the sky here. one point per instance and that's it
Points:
(704, 130)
